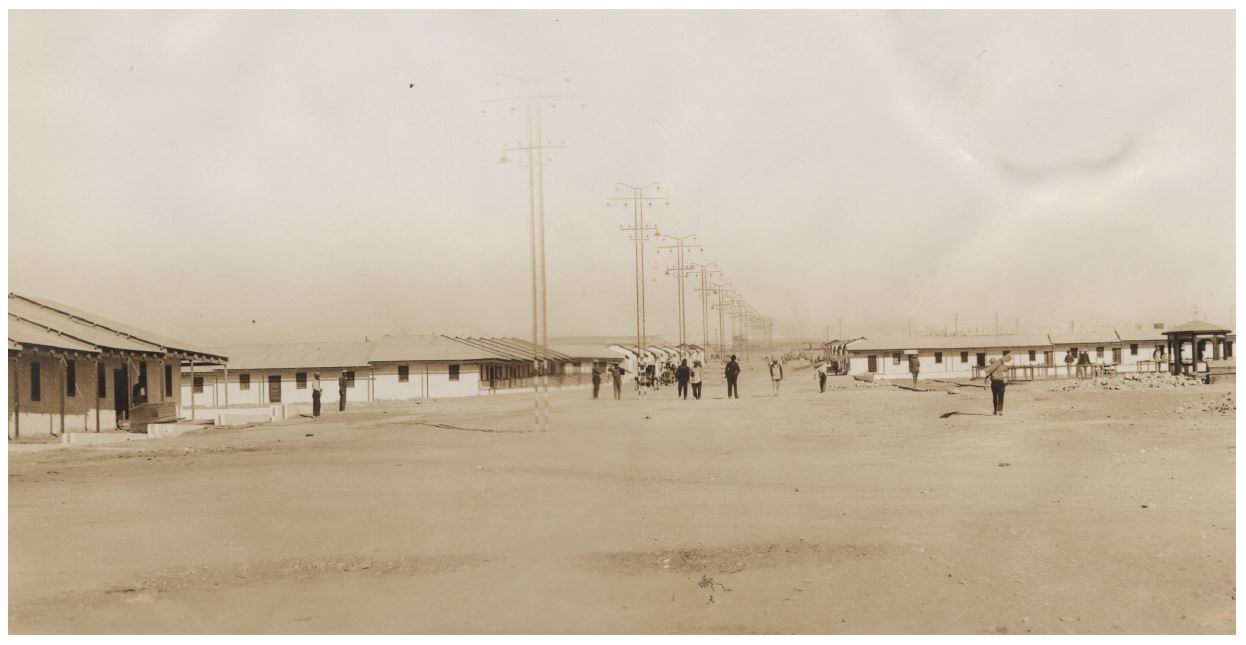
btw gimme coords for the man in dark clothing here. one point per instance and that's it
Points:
(997, 376)
(596, 379)
(915, 366)
(732, 373)
(316, 394)
(682, 375)
(139, 395)
(341, 392)
(1083, 365)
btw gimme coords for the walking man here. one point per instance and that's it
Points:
(316, 395)
(822, 377)
(997, 376)
(915, 366)
(341, 392)
(697, 372)
(1068, 362)
(682, 375)
(732, 372)
(596, 379)
(776, 375)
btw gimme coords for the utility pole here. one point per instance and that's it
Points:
(680, 271)
(535, 147)
(722, 290)
(703, 271)
(638, 232)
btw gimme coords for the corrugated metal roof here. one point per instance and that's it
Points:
(118, 329)
(24, 333)
(1197, 327)
(1088, 337)
(585, 350)
(80, 328)
(293, 355)
(1141, 334)
(901, 343)
(426, 347)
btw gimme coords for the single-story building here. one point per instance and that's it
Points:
(943, 356)
(73, 371)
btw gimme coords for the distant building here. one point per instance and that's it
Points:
(1034, 355)
(73, 371)
(386, 369)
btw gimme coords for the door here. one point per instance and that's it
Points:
(873, 363)
(1116, 356)
(981, 359)
(120, 392)
(274, 388)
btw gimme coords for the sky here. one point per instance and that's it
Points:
(229, 177)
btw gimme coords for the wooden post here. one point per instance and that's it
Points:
(192, 388)
(97, 393)
(227, 386)
(17, 401)
(61, 384)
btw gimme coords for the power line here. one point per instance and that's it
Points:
(680, 271)
(638, 230)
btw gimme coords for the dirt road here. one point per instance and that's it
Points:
(862, 510)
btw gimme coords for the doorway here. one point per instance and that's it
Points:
(121, 392)
(274, 388)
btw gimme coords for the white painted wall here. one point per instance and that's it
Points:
(426, 379)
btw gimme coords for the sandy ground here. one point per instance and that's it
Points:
(862, 510)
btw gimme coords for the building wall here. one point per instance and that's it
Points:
(426, 379)
(216, 390)
(86, 410)
(950, 366)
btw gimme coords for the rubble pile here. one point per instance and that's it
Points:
(1226, 404)
(1137, 381)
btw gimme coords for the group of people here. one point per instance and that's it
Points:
(316, 392)
(687, 377)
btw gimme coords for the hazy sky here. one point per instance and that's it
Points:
(246, 176)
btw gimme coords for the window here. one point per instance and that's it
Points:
(1049, 357)
(454, 372)
(964, 357)
(1033, 355)
(404, 373)
(244, 381)
(895, 358)
(350, 379)
(938, 357)
(1228, 349)
(71, 378)
(300, 380)
(1099, 352)
(198, 385)
(101, 383)
(168, 380)
(35, 389)
(1133, 349)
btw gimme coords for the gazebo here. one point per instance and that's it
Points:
(1196, 333)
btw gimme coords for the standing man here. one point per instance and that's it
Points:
(682, 375)
(697, 372)
(616, 379)
(596, 379)
(1068, 362)
(822, 376)
(1083, 365)
(915, 366)
(341, 392)
(776, 375)
(997, 376)
(316, 395)
(732, 372)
